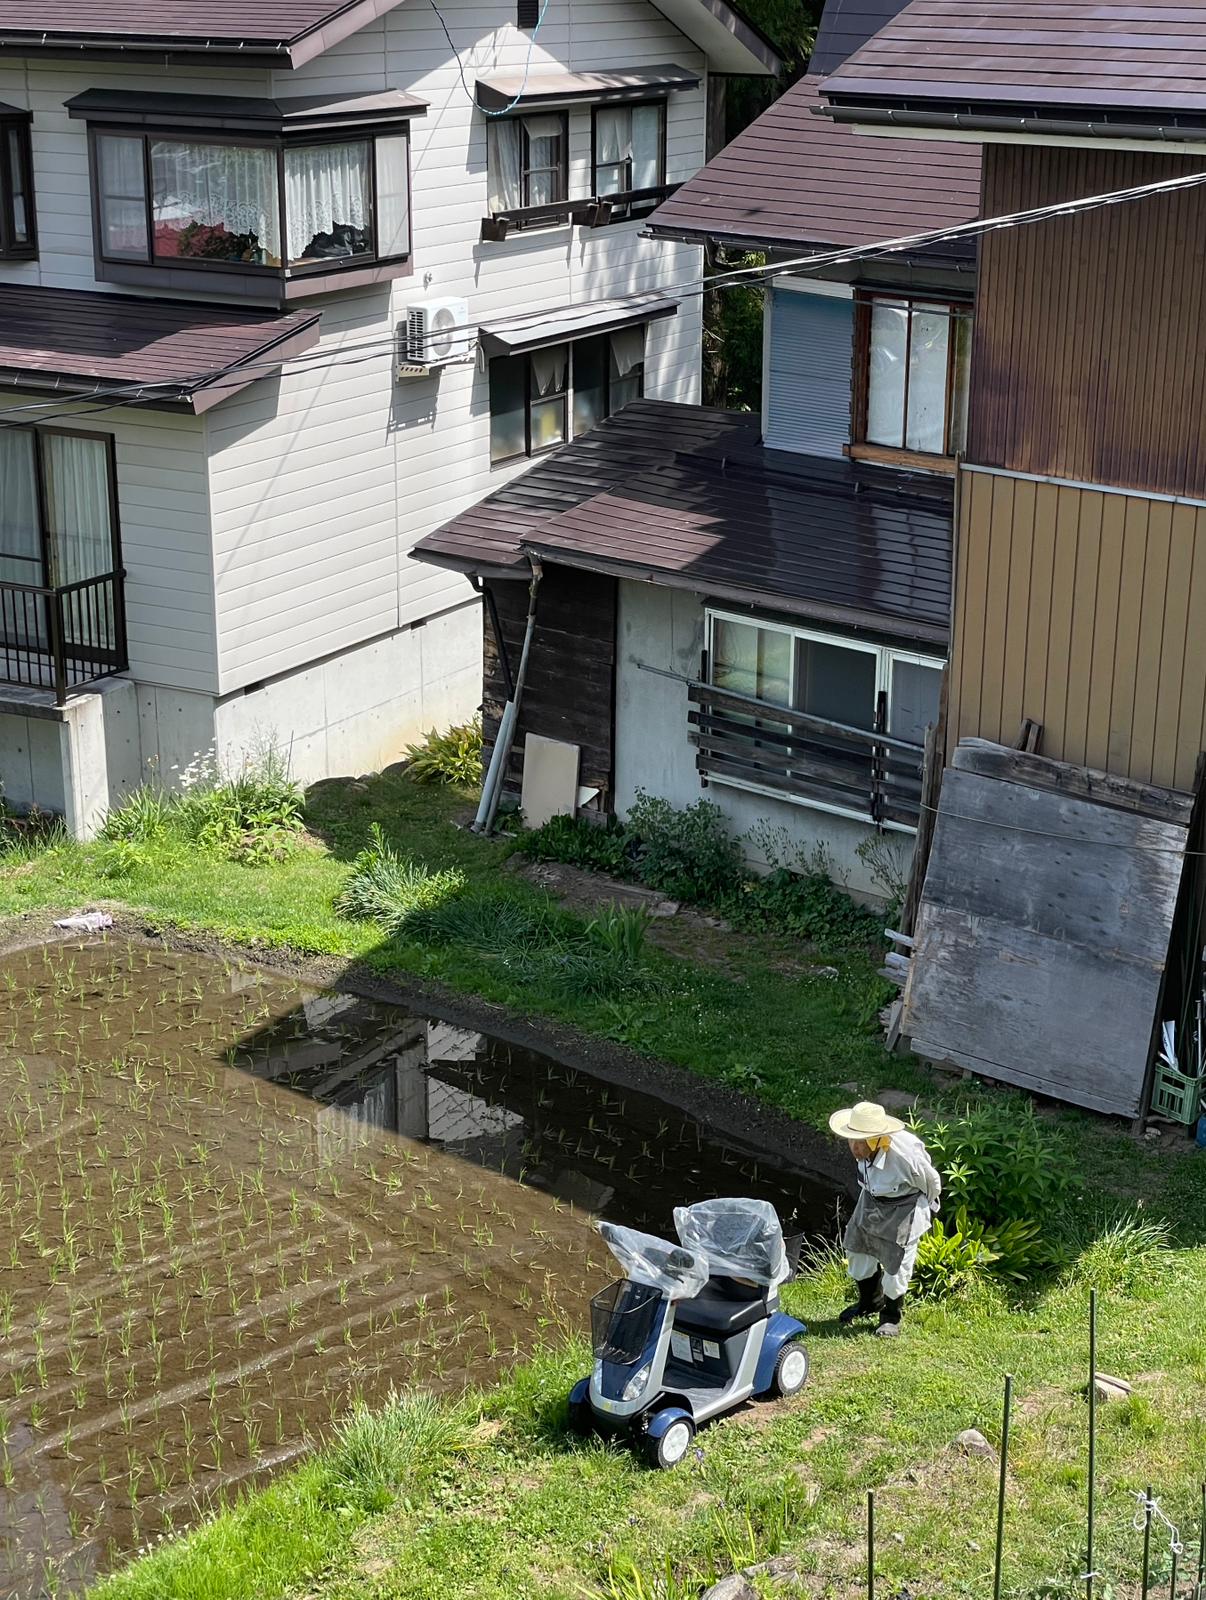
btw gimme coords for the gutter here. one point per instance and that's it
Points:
(985, 122)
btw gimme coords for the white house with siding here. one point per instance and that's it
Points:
(229, 239)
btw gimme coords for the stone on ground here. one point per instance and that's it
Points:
(973, 1443)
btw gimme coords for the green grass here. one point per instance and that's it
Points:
(506, 1506)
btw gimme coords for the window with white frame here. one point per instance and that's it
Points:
(916, 357)
(844, 683)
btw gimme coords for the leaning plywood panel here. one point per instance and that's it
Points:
(1042, 937)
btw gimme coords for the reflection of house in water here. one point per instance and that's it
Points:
(373, 1070)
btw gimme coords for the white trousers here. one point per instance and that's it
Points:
(895, 1283)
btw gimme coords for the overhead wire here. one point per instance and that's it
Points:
(322, 360)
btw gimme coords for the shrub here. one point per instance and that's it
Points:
(809, 906)
(687, 854)
(1125, 1254)
(385, 888)
(1006, 1176)
(950, 1259)
(454, 756)
(611, 848)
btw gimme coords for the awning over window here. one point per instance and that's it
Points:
(535, 330)
(243, 114)
(501, 91)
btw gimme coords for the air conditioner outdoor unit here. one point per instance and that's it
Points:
(435, 332)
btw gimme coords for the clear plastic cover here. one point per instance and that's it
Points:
(739, 1239)
(675, 1270)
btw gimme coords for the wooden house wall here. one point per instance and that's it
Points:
(1089, 356)
(1082, 609)
(569, 691)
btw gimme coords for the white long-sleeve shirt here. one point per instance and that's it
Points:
(903, 1168)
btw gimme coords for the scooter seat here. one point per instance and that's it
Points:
(712, 1311)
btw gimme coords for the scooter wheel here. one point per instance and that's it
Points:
(669, 1448)
(581, 1419)
(791, 1369)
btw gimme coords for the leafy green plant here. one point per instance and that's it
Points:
(808, 905)
(1126, 1254)
(385, 888)
(610, 847)
(380, 1452)
(950, 1258)
(253, 813)
(454, 756)
(688, 854)
(142, 818)
(620, 931)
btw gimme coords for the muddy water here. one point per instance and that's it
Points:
(229, 1204)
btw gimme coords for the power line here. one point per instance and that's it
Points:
(456, 56)
(741, 277)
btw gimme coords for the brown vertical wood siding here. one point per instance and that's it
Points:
(569, 692)
(1089, 355)
(1083, 610)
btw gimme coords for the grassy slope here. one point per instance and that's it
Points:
(533, 1515)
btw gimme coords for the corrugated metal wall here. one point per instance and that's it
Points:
(1082, 609)
(808, 373)
(1088, 361)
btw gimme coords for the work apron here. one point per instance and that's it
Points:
(883, 1228)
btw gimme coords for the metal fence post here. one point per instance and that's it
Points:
(1147, 1542)
(1089, 1573)
(996, 1574)
(870, 1544)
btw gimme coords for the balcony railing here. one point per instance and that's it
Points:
(866, 772)
(64, 637)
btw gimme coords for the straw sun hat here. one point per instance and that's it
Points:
(864, 1121)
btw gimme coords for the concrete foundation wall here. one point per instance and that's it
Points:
(664, 628)
(76, 760)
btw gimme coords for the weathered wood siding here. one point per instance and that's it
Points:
(569, 691)
(1089, 359)
(1082, 609)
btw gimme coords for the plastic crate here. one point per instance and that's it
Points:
(1175, 1096)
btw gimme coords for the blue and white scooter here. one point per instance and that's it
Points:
(692, 1330)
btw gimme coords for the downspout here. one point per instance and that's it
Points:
(492, 788)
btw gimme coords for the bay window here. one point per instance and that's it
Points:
(545, 397)
(527, 162)
(848, 690)
(284, 208)
(914, 371)
(17, 237)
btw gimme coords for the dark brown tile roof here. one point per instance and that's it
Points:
(76, 341)
(729, 518)
(794, 178)
(1142, 55)
(294, 29)
(490, 534)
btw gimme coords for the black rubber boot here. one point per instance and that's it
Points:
(870, 1299)
(889, 1318)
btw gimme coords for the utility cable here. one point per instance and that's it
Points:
(456, 56)
(736, 278)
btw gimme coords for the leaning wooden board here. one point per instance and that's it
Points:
(1042, 937)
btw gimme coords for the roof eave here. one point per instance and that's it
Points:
(734, 46)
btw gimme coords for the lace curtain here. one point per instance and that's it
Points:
(20, 546)
(328, 202)
(217, 201)
(504, 164)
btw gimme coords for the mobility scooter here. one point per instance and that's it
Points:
(692, 1330)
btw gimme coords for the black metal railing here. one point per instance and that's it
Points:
(864, 771)
(62, 637)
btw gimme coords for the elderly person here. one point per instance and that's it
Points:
(900, 1191)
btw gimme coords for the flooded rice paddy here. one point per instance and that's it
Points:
(230, 1204)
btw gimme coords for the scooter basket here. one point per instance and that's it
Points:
(621, 1321)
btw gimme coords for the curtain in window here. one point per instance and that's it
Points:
(16, 168)
(327, 201)
(544, 160)
(927, 380)
(393, 196)
(123, 201)
(613, 146)
(20, 546)
(627, 364)
(215, 202)
(549, 372)
(504, 163)
(646, 143)
(79, 528)
(886, 378)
